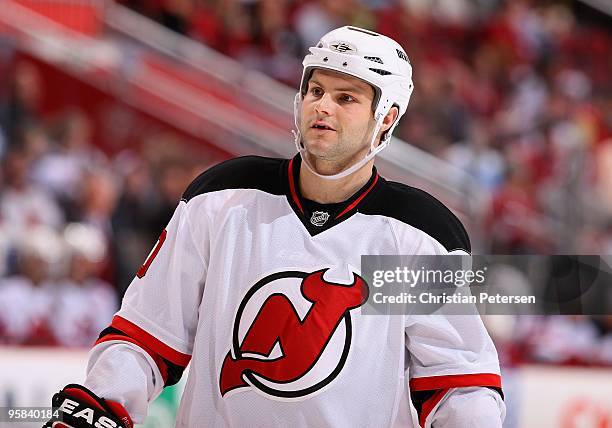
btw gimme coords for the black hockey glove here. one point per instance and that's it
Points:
(78, 407)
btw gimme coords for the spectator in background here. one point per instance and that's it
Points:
(97, 198)
(134, 234)
(449, 12)
(26, 298)
(23, 105)
(276, 48)
(62, 168)
(23, 204)
(234, 19)
(173, 180)
(318, 17)
(87, 303)
(568, 340)
(516, 225)
(35, 143)
(439, 111)
(479, 159)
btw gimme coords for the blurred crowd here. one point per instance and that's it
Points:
(75, 222)
(569, 340)
(515, 92)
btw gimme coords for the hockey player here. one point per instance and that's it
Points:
(255, 284)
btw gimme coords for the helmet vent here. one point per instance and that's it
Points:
(379, 71)
(361, 30)
(375, 59)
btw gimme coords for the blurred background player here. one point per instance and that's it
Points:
(27, 296)
(83, 303)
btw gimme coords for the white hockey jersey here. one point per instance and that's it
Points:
(259, 290)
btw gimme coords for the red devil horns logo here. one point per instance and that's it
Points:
(302, 341)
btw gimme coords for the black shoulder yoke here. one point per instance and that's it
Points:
(421, 210)
(248, 172)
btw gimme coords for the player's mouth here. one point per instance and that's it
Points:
(322, 126)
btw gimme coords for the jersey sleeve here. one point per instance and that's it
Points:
(124, 372)
(444, 351)
(159, 312)
(447, 352)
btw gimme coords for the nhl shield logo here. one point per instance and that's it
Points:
(319, 218)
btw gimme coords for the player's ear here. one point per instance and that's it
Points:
(389, 118)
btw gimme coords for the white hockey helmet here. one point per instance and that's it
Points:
(371, 57)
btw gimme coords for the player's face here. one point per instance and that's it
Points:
(336, 117)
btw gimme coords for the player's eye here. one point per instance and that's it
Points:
(346, 98)
(316, 91)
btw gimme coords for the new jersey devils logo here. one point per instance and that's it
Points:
(282, 353)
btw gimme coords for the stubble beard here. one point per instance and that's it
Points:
(337, 151)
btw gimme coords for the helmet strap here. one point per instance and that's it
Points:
(374, 150)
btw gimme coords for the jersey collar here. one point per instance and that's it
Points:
(318, 217)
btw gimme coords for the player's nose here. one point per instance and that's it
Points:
(324, 106)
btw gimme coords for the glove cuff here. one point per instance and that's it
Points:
(81, 408)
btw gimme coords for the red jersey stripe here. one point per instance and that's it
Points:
(294, 195)
(455, 381)
(156, 345)
(356, 201)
